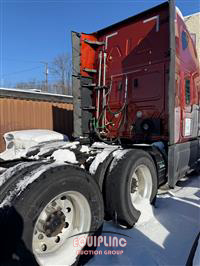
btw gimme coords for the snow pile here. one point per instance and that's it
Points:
(50, 147)
(74, 146)
(71, 144)
(64, 156)
(100, 145)
(146, 210)
(84, 149)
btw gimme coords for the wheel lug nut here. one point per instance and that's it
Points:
(57, 239)
(63, 198)
(66, 225)
(40, 236)
(68, 209)
(44, 247)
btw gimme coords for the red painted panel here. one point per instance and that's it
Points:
(136, 74)
(88, 54)
(137, 52)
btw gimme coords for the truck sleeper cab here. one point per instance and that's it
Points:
(138, 82)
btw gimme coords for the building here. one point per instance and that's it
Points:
(193, 24)
(25, 109)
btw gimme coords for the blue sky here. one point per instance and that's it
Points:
(38, 30)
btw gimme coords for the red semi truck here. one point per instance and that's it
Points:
(136, 95)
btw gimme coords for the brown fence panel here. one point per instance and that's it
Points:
(20, 111)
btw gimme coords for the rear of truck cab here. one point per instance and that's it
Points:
(137, 81)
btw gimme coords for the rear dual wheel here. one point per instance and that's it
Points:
(62, 204)
(129, 186)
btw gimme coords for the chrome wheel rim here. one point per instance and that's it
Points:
(141, 185)
(65, 216)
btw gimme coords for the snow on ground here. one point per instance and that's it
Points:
(167, 234)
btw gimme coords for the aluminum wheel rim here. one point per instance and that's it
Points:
(65, 216)
(141, 185)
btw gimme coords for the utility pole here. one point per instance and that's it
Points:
(46, 72)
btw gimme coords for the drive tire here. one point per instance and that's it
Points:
(119, 205)
(17, 222)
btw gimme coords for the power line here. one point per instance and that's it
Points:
(46, 71)
(21, 71)
(19, 60)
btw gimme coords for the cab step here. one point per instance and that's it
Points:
(90, 70)
(95, 43)
(89, 86)
(88, 108)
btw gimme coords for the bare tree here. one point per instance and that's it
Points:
(31, 85)
(61, 70)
